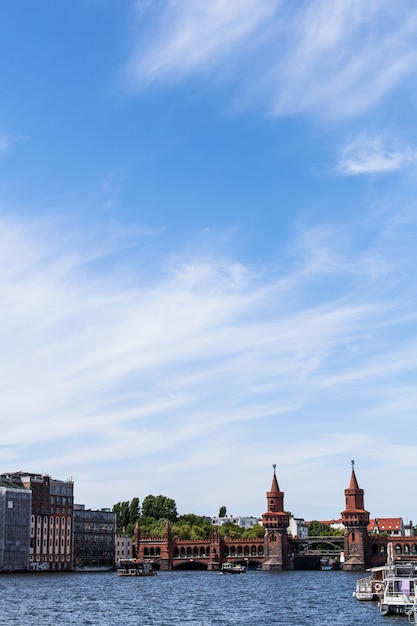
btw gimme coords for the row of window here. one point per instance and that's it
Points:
(51, 557)
(204, 552)
(61, 490)
(64, 520)
(399, 549)
(64, 500)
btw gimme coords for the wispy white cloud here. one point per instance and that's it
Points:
(342, 58)
(194, 35)
(118, 369)
(338, 58)
(369, 155)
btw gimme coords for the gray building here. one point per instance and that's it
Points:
(15, 518)
(94, 539)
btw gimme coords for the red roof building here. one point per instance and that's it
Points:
(394, 526)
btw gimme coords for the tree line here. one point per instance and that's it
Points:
(157, 510)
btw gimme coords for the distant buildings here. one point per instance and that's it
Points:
(243, 522)
(40, 531)
(394, 526)
(298, 528)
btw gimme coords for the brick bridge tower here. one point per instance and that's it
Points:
(275, 522)
(355, 520)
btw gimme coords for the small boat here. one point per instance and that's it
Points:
(131, 567)
(371, 587)
(233, 568)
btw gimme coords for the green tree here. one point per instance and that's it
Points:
(159, 507)
(222, 511)
(134, 510)
(150, 527)
(256, 532)
(192, 526)
(228, 529)
(122, 510)
(318, 529)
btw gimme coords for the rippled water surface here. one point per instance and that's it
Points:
(194, 598)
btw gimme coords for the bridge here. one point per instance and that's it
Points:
(312, 552)
(174, 553)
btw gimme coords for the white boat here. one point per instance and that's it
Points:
(400, 586)
(233, 568)
(371, 587)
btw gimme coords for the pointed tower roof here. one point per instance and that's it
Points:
(353, 482)
(274, 486)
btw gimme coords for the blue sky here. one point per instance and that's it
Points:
(208, 248)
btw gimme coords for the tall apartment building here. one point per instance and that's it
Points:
(51, 524)
(15, 514)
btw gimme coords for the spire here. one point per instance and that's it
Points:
(353, 482)
(274, 486)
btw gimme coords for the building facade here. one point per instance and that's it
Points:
(298, 528)
(15, 516)
(51, 524)
(124, 548)
(94, 539)
(394, 526)
(241, 521)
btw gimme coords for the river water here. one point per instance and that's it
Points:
(194, 598)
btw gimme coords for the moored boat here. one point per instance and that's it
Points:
(400, 586)
(233, 568)
(371, 587)
(131, 567)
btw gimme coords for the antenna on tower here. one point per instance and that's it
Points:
(353, 464)
(274, 465)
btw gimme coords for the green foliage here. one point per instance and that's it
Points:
(318, 529)
(127, 514)
(134, 510)
(150, 527)
(256, 532)
(237, 532)
(159, 507)
(222, 511)
(228, 529)
(192, 526)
